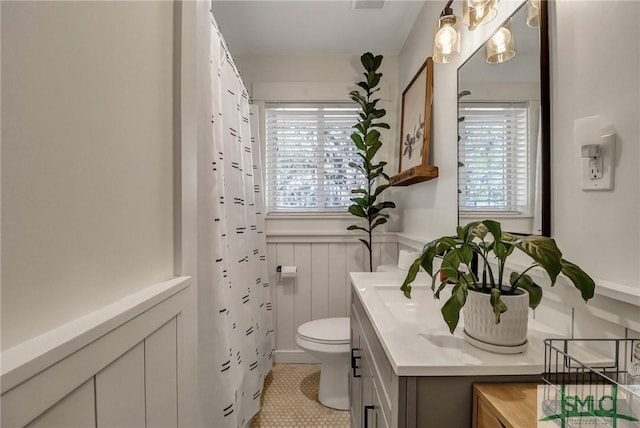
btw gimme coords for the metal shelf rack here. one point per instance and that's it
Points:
(590, 383)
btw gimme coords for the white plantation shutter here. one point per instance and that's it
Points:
(308, 153)
(493, 150)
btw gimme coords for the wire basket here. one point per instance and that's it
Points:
(590, 383)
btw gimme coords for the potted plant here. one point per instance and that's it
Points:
(485, 291)
(366, 204)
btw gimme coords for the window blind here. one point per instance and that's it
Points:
(494, 155)
(307, 158)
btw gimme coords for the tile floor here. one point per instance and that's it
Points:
(290, 400)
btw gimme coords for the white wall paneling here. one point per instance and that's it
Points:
(321, 286)
(112, 348)
(337, 285)
(320, 280)
(120, 391)
(161, 376)
(285, 296)
(303, 293)
(76, 410)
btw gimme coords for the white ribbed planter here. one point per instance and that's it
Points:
(509, 335)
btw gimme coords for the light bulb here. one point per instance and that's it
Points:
(501, 39)
(446, 39)
(533, 13)
(477, 12)
(501, 46)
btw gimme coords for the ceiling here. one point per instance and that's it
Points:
(312, 27)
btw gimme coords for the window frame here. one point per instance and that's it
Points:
(339, 211)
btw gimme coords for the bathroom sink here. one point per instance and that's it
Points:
(412, 310)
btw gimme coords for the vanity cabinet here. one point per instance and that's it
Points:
(369, 401)
(382, 399)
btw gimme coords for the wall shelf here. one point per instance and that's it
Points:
(415, 175)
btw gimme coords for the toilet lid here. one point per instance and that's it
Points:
(327, 330)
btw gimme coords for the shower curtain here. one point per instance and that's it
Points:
(235, 329)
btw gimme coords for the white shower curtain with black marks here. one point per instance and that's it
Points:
(236, 337)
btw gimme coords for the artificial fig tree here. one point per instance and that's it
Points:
(367, 203)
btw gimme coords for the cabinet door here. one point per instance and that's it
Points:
(485, 417)
(379, 421)
(355, 374)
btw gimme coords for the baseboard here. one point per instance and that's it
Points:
(294, 356)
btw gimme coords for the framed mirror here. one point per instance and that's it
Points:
(504, 126)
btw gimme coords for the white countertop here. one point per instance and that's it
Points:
(417, 340)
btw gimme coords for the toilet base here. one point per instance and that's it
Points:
(333, 391)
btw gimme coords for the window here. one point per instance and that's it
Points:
(308, 153)
(495, 159)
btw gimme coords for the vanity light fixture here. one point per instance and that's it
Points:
(477, 12)
(533, 13)
(446, 36)
(501, 46)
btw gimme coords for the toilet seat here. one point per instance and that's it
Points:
(327, 331)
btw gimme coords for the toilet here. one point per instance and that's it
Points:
(328, 340)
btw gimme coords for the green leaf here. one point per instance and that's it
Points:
(354, 227)
(368, 61)
(357, 139)
(362, 202)
(359, 191)
(451, 309)
(358, 97)
(364, 86)
(494, 228)
(381, 125)
(580, 279)
(526, 283)
(381, 188)
(451, 264)
(374, 79)
(428, 255)
(469, 231)
(360, 127)
(366, 243)
(377, 114)
(497, 304)
(544, 251)
(383, 205)
(373, 149)
(463, 94)
(372, 137)
(357, 211)
(377, 60)
(380, 221)
(411, 276)
(358, 167)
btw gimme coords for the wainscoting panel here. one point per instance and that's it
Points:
(120, 391)
(319, 281)
(117, 366)
(302, 292)
(321, 286)
(76, 410)
(161, 376)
